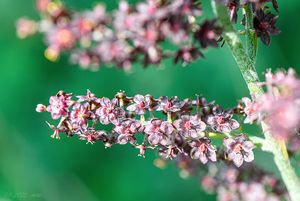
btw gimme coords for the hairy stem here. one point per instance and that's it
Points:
(247, 68)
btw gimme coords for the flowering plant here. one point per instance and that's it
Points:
(192, 131)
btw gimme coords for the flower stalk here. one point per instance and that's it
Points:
(245, 59)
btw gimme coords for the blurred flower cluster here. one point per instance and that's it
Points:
(247, 183)
(188, 128)
(279, 107)
(244, 184)
(136, 33)
(128, 34)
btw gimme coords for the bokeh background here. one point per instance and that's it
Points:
(33, 166)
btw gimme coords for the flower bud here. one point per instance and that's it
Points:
(40, 108)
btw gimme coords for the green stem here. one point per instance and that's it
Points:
(232, 39)
(251, 38)
(247, 68)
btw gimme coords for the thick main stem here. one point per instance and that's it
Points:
(247, 68)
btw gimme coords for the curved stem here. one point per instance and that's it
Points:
(247, 68)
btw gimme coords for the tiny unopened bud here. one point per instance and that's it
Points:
(40, 108)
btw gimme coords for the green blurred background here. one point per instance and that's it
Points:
(35, 167)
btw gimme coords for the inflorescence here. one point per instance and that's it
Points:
(174, 126)
(187, 127)
(137, 33)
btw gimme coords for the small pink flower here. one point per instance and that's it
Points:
(79, 115)
(203, 150)
(251, 110)
(221, 121)
(159, 132)
(239, 149)
(126, 130)
(109, 111)
(59, 105)
(140, 105)
(190, 126)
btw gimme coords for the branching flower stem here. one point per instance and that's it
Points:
(246, 62)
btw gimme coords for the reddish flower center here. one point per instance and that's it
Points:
(65, 38)
(168, 105)
(90, 137)
(81, 115)
(237, 148)
(220, 120)
(107, 111)
(127, 130)
(142, 105)
(188, 125)
(211, 35)
(150, 35)
(156, 129)
(264, 26)
(202, 148)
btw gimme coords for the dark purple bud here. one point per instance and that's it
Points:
(265, 25)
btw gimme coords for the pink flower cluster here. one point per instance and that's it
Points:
(245, 184)
(279, 106)
(130, 33)
(185, 130)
